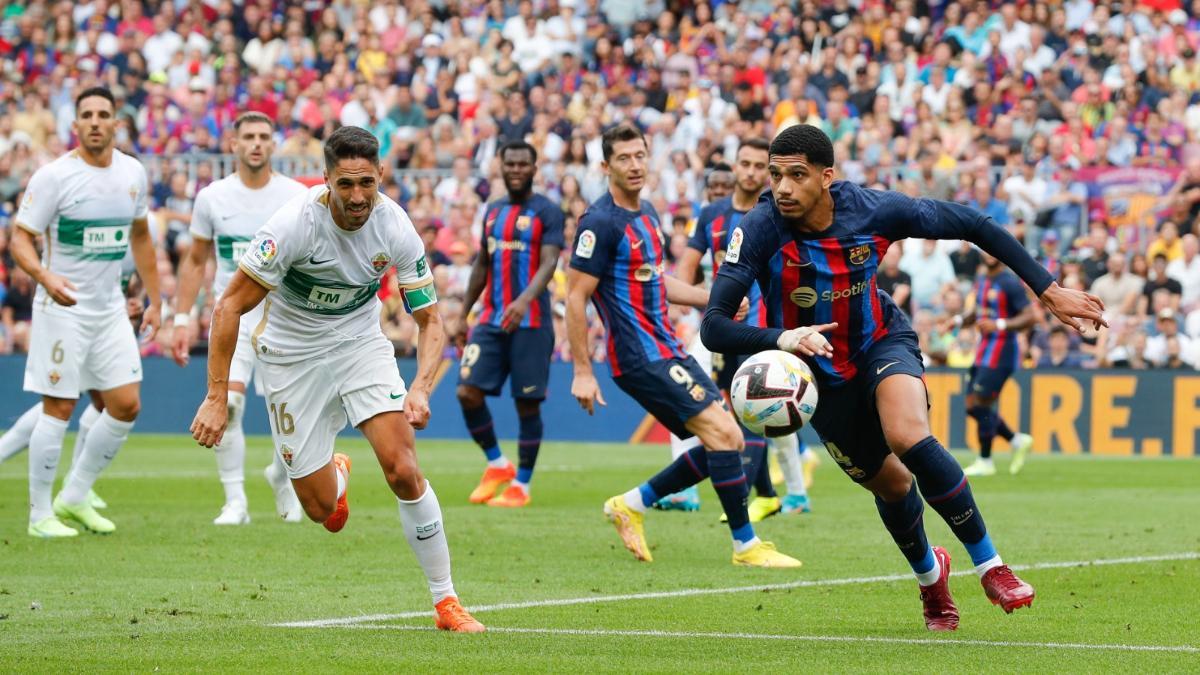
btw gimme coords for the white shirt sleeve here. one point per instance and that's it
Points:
(141, 202)
(40, 203)
(202, 222)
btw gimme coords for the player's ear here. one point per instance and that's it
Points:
(827, 177)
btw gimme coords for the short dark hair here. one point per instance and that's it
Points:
(807, 140)
(252, 117)
(721, 166)
(517, 145)
(757, 143)
(102, 92)
(350, 143)
(619, 134)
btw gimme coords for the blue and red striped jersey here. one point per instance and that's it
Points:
(513, 236)
(811, 278)
(714, 228)
(624, 250)
(999, 297)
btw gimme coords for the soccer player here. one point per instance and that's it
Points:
(618, 265)
(713, 229)
(999, 310)
(815, 244)
(514, 337)
(228, 213)
(91, 205)
(323, 357)
(16, 438)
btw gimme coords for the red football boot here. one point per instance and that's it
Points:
(1006, 589)
(940, 611)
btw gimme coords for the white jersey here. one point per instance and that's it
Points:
(324, 280)
(228, 214)
(86, 213)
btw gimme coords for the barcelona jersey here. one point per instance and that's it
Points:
(714, 228)
(999, 297)
(513, 236)
(624, 250)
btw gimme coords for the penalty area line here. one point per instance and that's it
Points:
(351, 621)
(1187, 649)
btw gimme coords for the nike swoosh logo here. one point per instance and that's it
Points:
(136, 371)
(718, 233)
(638, 243)
(396, 396)
(232, 215)
(882, 368)
(313, 261)
(420, 538)
(526, 390)
(792, 264)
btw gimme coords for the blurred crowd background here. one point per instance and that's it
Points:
(1072, 123)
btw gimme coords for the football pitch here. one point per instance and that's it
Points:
(1111, 545)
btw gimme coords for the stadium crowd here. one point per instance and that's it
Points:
(1002, 106)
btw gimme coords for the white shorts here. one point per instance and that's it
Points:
(241, 368)
(69, 355)
(310, 402)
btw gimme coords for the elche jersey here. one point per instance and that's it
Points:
(228, 213)
(713, 231)
(86, 213)
(624, 250)
(324, 280)
(513, 236)
(999, 297)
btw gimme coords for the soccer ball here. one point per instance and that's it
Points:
(774, 393)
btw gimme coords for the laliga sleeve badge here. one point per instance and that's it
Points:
(586, 244)
(734, 251)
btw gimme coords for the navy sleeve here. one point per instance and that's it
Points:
(552, 225)
(751, 246)
(699, 239)
(595, 242)
(900, 217)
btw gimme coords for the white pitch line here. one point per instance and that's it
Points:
(1186, 649)
(689, 592)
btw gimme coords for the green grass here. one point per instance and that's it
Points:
(170, 591)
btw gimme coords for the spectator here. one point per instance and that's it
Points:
(1186, 270)
(930, 270)
(1160, 280)
(1118, 289)
(1167, 243)
(16, 312)
(966, 261)
(1059, 352)
(1169, 348)
(893, 280)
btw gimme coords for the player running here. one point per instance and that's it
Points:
(999, 310)
(91, 206)
(514, 336)
(713, 229)
(229, 212)
(618, 264)
(815, 245)
(323, 357)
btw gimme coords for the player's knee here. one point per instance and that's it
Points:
(892, 483)
(125, 410)
(724, 435)
(318, 510)
(469, 397)
(905, 430)
(58, 408)
(404, 477)
(528, 408)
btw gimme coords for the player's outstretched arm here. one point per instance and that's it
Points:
(25, 254)
(430, 343)
(517, 309)
(585, 389)
(191, 270)
(146, 262)
(242, 295)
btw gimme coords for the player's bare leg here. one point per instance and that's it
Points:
(904, 414)
(392, 438)
(103, 441)
(499, 471)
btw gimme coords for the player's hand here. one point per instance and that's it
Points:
(181, 342)
(514, 314)
(416, 408)
(985, 326)
(586, 390)
(59, 288)
(1069, 305)
(151, 321)
(807, 340)
(209, 425)
(743, 310)
(457, 335)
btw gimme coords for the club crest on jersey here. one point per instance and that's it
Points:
(524, 222)
(586, 244)
(380, 262)
(264, 251)
(992, 295)
(860, 254)
(734, 251)
(133, 192)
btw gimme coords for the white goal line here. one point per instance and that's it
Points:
(352, 621)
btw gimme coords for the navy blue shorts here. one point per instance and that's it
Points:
(988, 381)
(493, 354)
(846, 418)
(672, 390)
(725, 367)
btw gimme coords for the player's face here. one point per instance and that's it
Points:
(95, 124)
(751, 170)
(518, 169)
(796, 184)
(627, 166)
(254, 145)
(720, 185)
(353, 189)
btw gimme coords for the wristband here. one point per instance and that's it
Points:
(182, 320)
(1001, 325)
(958, 321)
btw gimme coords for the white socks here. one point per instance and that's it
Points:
(633, 499)
(929, 578)
(16, 439)
(45, 446)
(231, 452)
(101, 446)
(86, 421)
(498, 463)
(422, 522)
(787, 450)
(680, 446)
(341, 481)
(983, 567)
